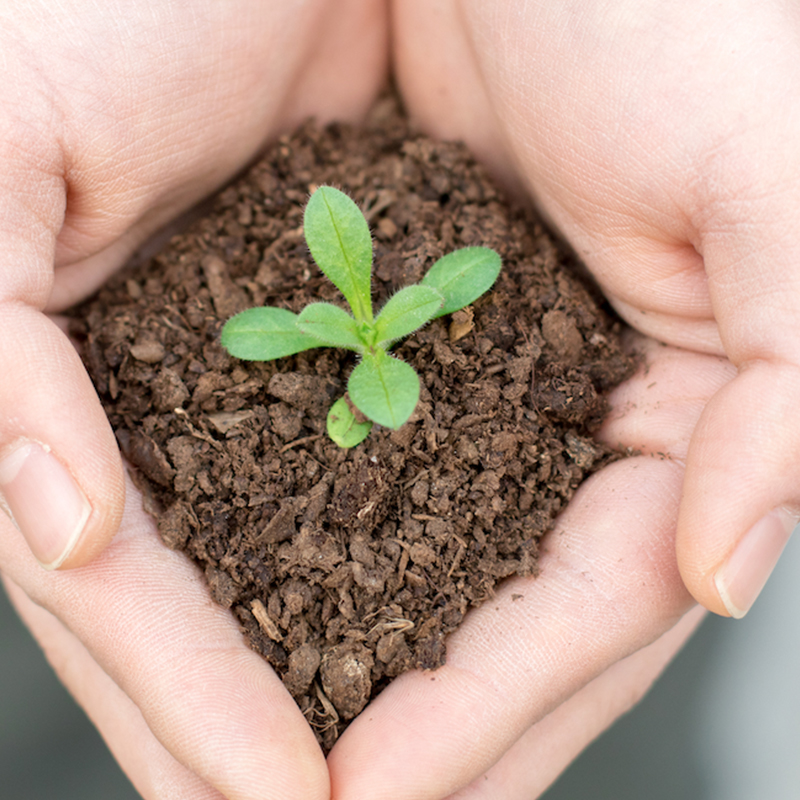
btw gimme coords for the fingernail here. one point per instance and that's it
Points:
(44, 502)
(741, 578)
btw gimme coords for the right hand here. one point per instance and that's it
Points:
(112, 122)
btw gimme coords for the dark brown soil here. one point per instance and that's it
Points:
(346, 568)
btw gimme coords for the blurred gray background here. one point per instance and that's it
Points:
(723, 723)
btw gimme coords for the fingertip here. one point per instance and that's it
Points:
(742, 576)
(29, 473)
(61, 475)
(740, 497)
(61, 526)
(101, 524)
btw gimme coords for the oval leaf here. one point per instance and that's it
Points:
(406, 311)
(338, 236)
(343, 427)
(265, 333)
(384, 389)
(331, 324)
(463, 276)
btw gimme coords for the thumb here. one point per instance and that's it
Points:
(61, 478)
(741, 496)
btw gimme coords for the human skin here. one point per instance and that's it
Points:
(116, 117)
(657, 137)
(644, 134)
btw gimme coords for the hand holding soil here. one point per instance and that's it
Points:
(667, 164)
(113, 122)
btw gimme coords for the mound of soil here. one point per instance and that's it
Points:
(346, 568)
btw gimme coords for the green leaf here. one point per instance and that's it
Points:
(463, 276)
(331, 324)
(384, 389)
(265, 333)
(406, 311)
(338, 236)
(343, 427)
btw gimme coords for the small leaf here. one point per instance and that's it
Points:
(463, 276)
(406, 311)
(265, 333)
(343, 427)
(384, 389)
(331, 324)
(338, 236)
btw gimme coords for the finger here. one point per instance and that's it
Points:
(609, 585)
(742, 495)
(667, 324)
(145, 616)
(535, 761)
(60, 472)
(655, 412)
(151, 769)
(442, 86)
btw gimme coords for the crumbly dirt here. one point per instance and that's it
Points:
(347, 568)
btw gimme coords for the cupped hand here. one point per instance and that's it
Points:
(114, 120)
(644, 133)
(660, 138)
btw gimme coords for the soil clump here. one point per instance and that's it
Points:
(347, 568)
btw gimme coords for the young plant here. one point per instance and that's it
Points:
(383, 388)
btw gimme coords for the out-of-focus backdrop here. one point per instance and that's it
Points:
(723, 723)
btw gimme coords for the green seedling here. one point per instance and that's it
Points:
(382, 387)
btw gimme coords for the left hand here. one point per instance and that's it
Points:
(661, 139)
